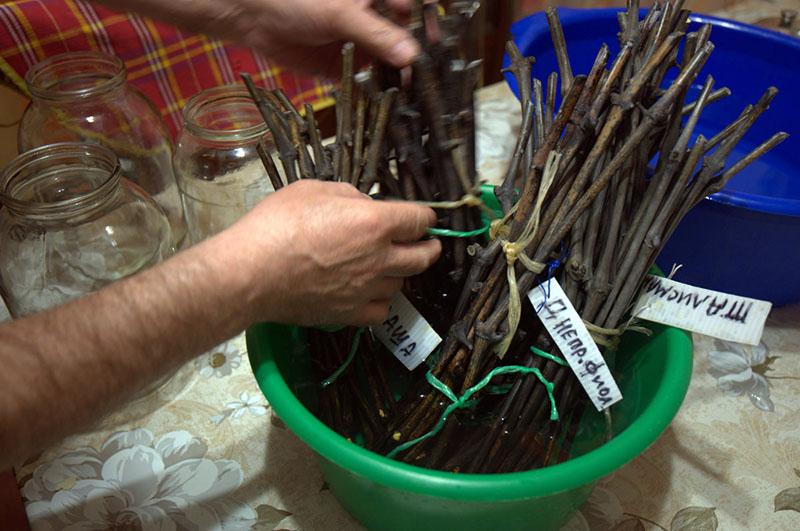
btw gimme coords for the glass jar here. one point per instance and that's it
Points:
(71, 225)
(83, 96)
(219, 172)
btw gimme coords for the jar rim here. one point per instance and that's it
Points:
(44, 78)
(214, 97)
(13, 177)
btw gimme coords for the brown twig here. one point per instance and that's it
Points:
(560, 45)
(322, 163)
(269, 166)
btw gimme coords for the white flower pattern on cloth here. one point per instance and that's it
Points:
(220, 361)
(247, 404)
(740, 372)
(602, 510)
(134, 482)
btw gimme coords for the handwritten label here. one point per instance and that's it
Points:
(715, 314)
(576, 344)
(406, 333)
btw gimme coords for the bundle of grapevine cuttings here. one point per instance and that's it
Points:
(594, 189)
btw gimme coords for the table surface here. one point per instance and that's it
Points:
(206, 451)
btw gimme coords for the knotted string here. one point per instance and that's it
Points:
(470, 199)
(551, 268)
(499, 227)
(516, 251)
(610, 337)
(464, 400)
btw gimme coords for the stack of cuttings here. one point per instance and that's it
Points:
(593, 191)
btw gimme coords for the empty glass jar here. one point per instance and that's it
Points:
(219, 172)
(83, 96)
(70, 224)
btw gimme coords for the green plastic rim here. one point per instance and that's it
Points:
(577, 472)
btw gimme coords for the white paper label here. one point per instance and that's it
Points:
(576, 344)
(715, 314)
(406, 333)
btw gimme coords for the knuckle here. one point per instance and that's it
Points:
(416, 264)
(303, 184)
(425, 261)
(372, 221)
(428, 216)
(430, 255)
(436, 250)
(422, 217)
(346, 188)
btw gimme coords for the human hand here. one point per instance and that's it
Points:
(323, 253)
(304, 35)
(307, 35)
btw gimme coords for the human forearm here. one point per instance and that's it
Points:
(299, 34)
(63, 367)
(217, 18)
(311, 253)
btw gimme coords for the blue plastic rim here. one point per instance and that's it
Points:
(746, 238)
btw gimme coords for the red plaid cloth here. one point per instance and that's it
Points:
(168, 65)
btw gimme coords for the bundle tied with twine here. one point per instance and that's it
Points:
(515, 250)
(586, 194)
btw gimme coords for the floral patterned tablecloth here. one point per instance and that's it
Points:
(206, 451)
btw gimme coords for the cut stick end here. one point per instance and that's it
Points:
(513, 50)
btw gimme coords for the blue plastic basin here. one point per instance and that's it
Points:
(746, 238)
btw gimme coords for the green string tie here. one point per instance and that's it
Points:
(547, 355)
(352, 354)
(433, 231)
(499, 389)
(464, 400)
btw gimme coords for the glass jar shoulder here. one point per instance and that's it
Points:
(123, 120)
(125, 234)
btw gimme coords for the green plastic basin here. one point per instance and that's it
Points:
(653, 374)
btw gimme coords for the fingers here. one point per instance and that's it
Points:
(400, 6)
(339, 189)
(407, 222)
(375, 34)
(384, 288)
(409, 259)
(343, 189)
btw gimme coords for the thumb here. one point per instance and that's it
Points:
(373, 33)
